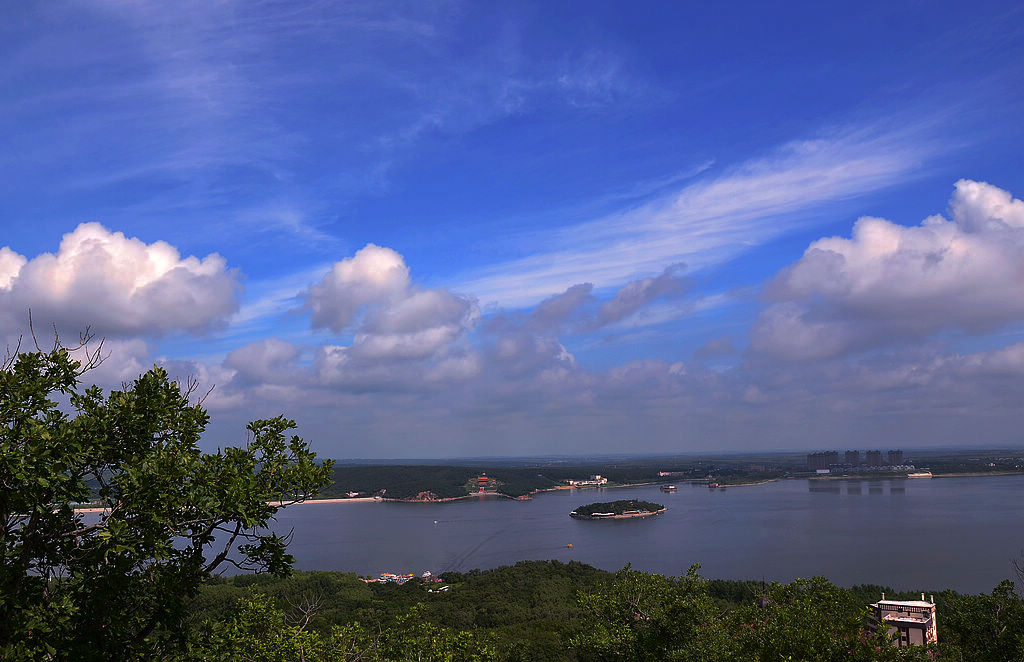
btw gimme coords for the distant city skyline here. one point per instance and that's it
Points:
(872, 458)
(452, 230)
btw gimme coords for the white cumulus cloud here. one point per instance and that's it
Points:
(374, 275)
(10, 266)
(118, 285)
(394, 319)
(889, 282)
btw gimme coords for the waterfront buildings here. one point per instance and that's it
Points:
(389, 578)
(595, 481)
(827, 461)
(916, 621)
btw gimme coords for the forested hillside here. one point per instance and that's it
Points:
(554, 611)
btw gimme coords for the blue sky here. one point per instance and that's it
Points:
(434, 229)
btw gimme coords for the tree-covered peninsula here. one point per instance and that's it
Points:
(622, 509)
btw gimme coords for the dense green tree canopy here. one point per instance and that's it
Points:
(551, 611)
(112, 584)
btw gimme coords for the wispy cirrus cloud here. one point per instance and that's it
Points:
(184, 110)
(710, 220)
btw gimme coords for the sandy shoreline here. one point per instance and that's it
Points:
(334, 500)
(760, 482)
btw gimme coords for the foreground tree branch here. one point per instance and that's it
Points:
(114, 585)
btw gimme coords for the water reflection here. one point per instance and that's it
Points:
(856, 487)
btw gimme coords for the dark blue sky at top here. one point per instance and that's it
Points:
(479, 141)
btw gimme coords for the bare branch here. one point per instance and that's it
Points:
(93, 357)
(191, 384)
(191, 387)
(206, 395)
(10, 357)
(32, 330)
(307, 609)
(85, 336)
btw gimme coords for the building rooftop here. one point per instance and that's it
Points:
(896, 604)
(904, 611)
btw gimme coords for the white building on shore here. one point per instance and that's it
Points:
(596, 480)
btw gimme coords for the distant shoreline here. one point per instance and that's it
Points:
(901, 475)
(758, 482)
(337, 500)
(100, 509)
(528, 497)
(523, 497)
(978, 474)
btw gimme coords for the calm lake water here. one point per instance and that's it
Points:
(922, 534)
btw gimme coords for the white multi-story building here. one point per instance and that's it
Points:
(914, 620)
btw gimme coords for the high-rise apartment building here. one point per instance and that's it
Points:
(873, 458)
(853, 458)
(824, 460)
(895, 458)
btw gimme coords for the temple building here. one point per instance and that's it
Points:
(485, 483)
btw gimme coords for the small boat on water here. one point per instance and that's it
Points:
(668, 488)
(920, 474)
(712, 485)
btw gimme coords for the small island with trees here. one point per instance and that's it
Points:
(624, 509)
